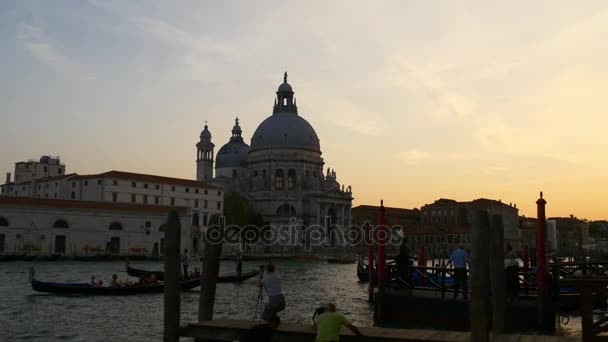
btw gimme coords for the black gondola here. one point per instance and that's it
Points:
(88, 289)
(95, 257)
(228, 278)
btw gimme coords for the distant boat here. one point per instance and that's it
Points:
(343, 260)
(160, 275)
(94, 257)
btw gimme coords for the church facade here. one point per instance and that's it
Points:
(281, 172)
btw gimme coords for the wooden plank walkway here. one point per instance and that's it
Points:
(232, 330)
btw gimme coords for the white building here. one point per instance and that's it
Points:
(45, 194)
(281, 173)
(73, 228)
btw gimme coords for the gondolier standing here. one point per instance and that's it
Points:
(459, 259)
(185, 262)
(239, 264)
(276, 301)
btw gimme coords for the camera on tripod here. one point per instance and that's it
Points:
(318, 312)
(262, 267)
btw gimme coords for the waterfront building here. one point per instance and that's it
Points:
(452, 216)
(401, 217)
(39, 226)
(572, 235)
(281, 172)
(45, 194)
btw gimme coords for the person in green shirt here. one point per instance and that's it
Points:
(329, 324)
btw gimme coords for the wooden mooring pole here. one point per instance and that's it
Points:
(381, 262)
(172, 278)
(480, 277)
(211, 268)
(497, 274)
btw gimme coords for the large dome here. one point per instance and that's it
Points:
(233, 154)
(285, 130)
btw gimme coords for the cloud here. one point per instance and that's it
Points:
(414, 156)
(40, 46)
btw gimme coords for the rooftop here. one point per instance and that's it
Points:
(70, 204)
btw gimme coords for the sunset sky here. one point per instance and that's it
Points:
(412, 100)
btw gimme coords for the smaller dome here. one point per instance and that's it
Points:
(205, 133)
(285, 88)
(233, 154)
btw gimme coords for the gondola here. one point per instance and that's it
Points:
(30, 257)
(340, 260)
(11, 257)
(160, 275)
(88, 289)
(95, 257)
(51, 257)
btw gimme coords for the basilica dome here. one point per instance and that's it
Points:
(285, 128)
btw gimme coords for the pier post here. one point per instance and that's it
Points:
(172, 278)
(211, 267)
(526, 260)
(370, 268)
(381, 261)
(497, 274)
(480, 277)
(545, 315)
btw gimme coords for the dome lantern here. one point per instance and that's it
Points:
(284, 101)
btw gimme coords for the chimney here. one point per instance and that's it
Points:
(8, 177)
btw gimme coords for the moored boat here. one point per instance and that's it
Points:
(226, 278)
(94, 257)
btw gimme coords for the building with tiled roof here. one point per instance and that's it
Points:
(44, 187)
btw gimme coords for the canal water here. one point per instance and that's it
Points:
(26, 315)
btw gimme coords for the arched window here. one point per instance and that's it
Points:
(278, 179)
(204, 220)
(195, 219)
(3, 222)
(291, 179)
(148, 224)
(286, 210)
(60, 223)
(115, 226)
(73, 195)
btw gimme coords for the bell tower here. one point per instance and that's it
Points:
(204, 156)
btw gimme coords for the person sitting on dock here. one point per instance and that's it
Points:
(459, 259)
(262, 332)
(272, 283)
(329, 324)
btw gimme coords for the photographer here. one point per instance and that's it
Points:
(329, 324)
(272, 283)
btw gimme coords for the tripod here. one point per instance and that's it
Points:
(259, 305)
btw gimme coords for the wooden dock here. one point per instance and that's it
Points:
(232, 330)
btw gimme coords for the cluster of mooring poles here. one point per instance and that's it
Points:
(211, 267)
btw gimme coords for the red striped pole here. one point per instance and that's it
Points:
(381, 243)
(541, 255)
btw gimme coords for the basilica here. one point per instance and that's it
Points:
(281, 172)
